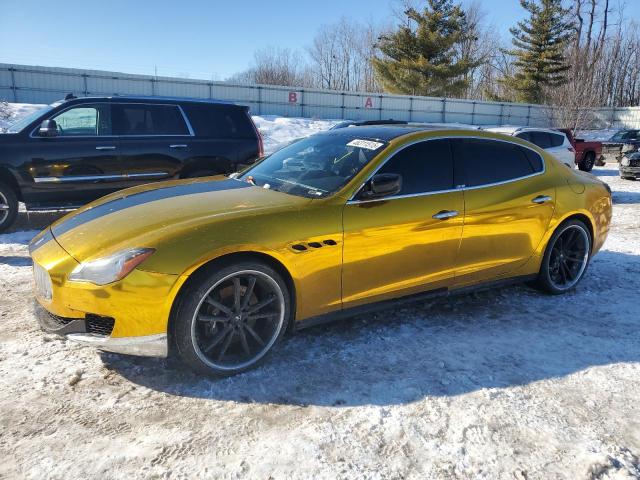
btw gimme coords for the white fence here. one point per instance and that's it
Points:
(34, 84)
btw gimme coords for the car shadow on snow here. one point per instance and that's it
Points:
(605, 172)
(620, 198)
(15, 261)
(485, 340)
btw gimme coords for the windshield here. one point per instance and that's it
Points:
(315, 166)
(23, 122)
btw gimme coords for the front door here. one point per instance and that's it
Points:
(155, 141)
(80, 163)
(508, 207)
(406, 243)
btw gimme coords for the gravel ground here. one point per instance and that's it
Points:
(506, 383)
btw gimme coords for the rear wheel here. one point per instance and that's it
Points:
(8, 206)
(587, 163)
(565, 259)
(228, 320)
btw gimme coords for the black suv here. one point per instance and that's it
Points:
(79, 149)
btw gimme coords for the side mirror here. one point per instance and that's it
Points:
(381, 185)
(48, 128)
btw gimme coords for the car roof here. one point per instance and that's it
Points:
(146, 99)
(391, 131)
(512, 130)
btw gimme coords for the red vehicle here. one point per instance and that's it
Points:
(587, 152)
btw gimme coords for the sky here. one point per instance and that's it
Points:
(191, 38)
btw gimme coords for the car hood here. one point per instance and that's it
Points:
(143, 216)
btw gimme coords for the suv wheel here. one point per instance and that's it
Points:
(565, 259)
(229, 319)
(587, 163)
(8, 206)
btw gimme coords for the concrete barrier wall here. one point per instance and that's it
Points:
(35, 84)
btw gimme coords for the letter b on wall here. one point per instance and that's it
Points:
(293, 97)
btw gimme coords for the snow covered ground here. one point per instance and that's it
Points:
(507, 383)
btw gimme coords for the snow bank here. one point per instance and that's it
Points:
(278, 131)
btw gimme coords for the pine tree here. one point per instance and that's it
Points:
(540, 43)
(423, 60)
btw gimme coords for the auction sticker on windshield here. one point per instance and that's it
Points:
(367, 144)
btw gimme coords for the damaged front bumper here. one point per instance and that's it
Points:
(95, 332)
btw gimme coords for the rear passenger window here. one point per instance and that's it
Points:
(140, 119)
(215, 121)
(488, 161)
(556, 140)
(425, 167)
(525, 136)
(540, 139)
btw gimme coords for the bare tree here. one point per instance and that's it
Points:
(341, 56)
(276, 66)
(605, 65)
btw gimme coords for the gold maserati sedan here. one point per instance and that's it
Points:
(216, 270)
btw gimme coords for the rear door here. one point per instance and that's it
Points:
(508, 206)
(155, 140)
(79, 164)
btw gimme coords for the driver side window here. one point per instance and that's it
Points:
(84, 121)
(425, 167)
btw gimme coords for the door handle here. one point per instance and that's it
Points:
(106, 147)
(541, 199)
(181, 145)
(444, 214)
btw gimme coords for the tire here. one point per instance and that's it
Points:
(558, 263)
(215, 337)
(8, 206)
(201, 173)
(587, 163)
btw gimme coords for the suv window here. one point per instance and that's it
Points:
(541, 139)
(215, 121)
(425, 167)
(85, 120)
(556, 140)
(140, 119)
(525, 136)
(490, 161)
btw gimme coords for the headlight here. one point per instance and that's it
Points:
(112, 268)
(625, 161)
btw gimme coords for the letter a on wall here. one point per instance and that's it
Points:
(368, 103)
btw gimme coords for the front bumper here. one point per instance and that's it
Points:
(87, 332)
(129, 316)
(626, 171)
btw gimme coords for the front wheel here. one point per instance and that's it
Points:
(565, 259)
(229, 319)
(8, 206)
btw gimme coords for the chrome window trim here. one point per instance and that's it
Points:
(184, 117)
(459, 188)
(90, 178)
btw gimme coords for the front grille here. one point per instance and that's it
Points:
(99, 325)
(634, 163)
